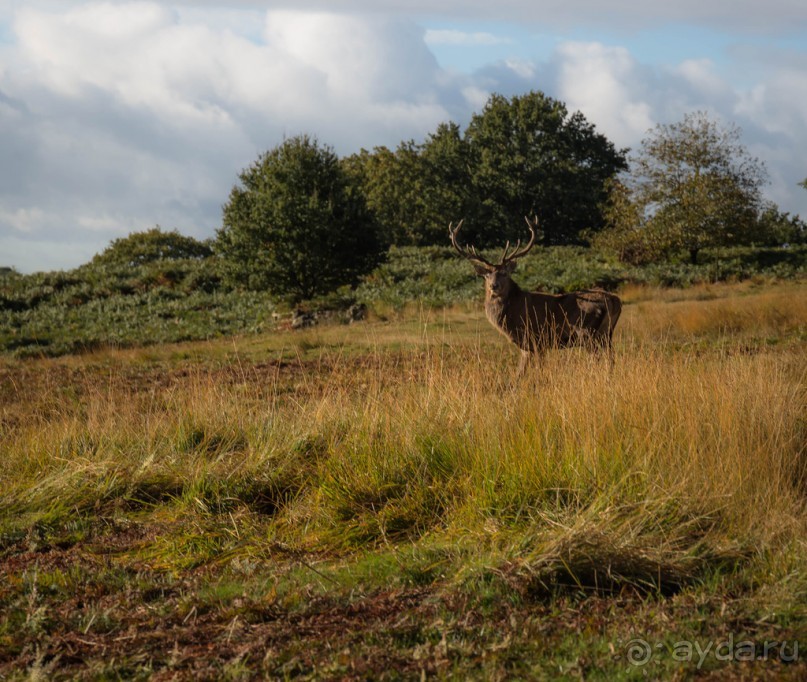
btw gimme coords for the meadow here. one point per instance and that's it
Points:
(384, 501)
(169, 300)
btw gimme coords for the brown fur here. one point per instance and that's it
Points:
(536, 321)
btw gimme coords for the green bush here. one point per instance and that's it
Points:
(152, 245)
(295, 225)
(182, 299)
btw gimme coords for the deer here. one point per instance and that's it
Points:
(536, 321)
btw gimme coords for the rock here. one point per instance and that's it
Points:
(357, 312)
(301, 319)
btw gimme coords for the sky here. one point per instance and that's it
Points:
(119, 116)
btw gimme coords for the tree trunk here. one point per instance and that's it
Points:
(693, 256)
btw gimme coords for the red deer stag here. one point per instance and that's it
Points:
(536, 321)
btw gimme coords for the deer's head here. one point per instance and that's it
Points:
(496, 275)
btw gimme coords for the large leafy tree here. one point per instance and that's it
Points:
(417, 189)
(521, 156)
(531, 157)
(392, 183)
(295, 225)
(450, 193)
(775, 227)
(694, 185)
(625, 235)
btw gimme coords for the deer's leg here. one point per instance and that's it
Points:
(522, 366)
(611, 359)
(603, 341)
(522, 363)
(527, 358)
(603, 344)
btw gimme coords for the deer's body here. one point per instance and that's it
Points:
(536, 321)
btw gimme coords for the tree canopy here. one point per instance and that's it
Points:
(692, 185)
(417, 189)
(521, 156)
(295, 225)
(531, 157)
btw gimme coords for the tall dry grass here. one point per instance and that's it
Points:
(679, 461)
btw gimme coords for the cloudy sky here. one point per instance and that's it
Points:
(117, 116)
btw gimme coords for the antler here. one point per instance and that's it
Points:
(522, 252)
(468, 252)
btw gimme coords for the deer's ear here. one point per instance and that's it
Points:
(481, 269)
(510, 267)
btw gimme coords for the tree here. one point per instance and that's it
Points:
(626, 235)
(694, 186)
(450, 193)
(521, 156)
(392, 183)
(417, 189)
(295, 225)
(531, 157)
(140, 248)
(775, 227)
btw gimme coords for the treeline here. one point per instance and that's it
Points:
(303, 222)
(525, 156)
(161, 287)
(305, 226)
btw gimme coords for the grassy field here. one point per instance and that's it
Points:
(384, 501)
(171, 300)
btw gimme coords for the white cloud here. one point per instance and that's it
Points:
(194, 75)
(778, 105)
(21, 219)
(130, 116)
(700, 73)
(605, 83)
(475, 96)
(362, 59)
(521, 67)
(788, 16)
(89, 45)
(117, 116)
(462, 38)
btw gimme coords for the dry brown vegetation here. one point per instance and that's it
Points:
(383, 500)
